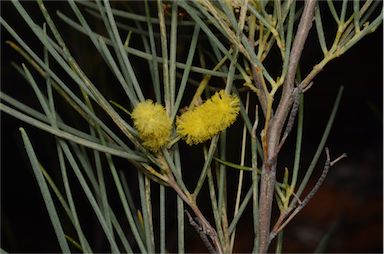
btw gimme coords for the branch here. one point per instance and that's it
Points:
(204, 226)
(291, 120)
(268, 177)
(282, 222)
(288, 87)
(257, 79)
(256, 72)
(197, 226)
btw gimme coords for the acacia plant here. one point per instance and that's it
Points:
(207, 70)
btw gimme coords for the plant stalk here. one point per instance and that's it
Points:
(273, 133)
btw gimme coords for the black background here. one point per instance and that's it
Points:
(351, 197)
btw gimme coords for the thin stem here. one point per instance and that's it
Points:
(187, 70)
(103, 192)
(215, 210)
(146, 213)
(299, 137)
(241, 174)
(45, 192)
(255, 182)
(321, 144)
(206, 226)
(343, 11)
(207, 163)
(291, 21)
(304, 182)
(222, 175)
(145, 55)
(64, 91)
(162, 219)
(257, 76)
(120, 46)
(153, 63)
(78, 75)
(302, 204)
(172, 60)
(242, 207)
(91, 197)
(333, 11)
(279, 244)
(132, 16)
(320, 30)
(221, 178)
(222, 21)
(164, 55)
(169, 164)
(180, 206)
(68, 136)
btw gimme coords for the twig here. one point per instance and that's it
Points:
(291, 120)
(256, 73)
(255, 181)
(190, 201)
(258, 83)
(280, 224)
(296, 95)
(200, 230)
(307, 87)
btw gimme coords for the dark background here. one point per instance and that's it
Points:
(350, 201)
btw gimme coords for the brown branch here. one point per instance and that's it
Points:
(199, 229)
(204, 224)
(268, 177)
(292, 116)
(267, 186)
(288, 86)
(291, 120)
(256, 72)
(282, 222)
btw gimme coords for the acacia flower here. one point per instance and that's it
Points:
(152, 123)
(213, 116)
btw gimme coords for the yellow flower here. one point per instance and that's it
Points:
(152, 123)
(213, 116)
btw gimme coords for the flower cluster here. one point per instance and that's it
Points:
(152, 123)
(213, 116)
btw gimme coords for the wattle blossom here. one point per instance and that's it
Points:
(152, 123)
(213, 116)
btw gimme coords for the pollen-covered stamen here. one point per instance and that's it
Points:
(205, 121)
(152, 123)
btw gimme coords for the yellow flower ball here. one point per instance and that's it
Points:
(152, 123)
(213, 116)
